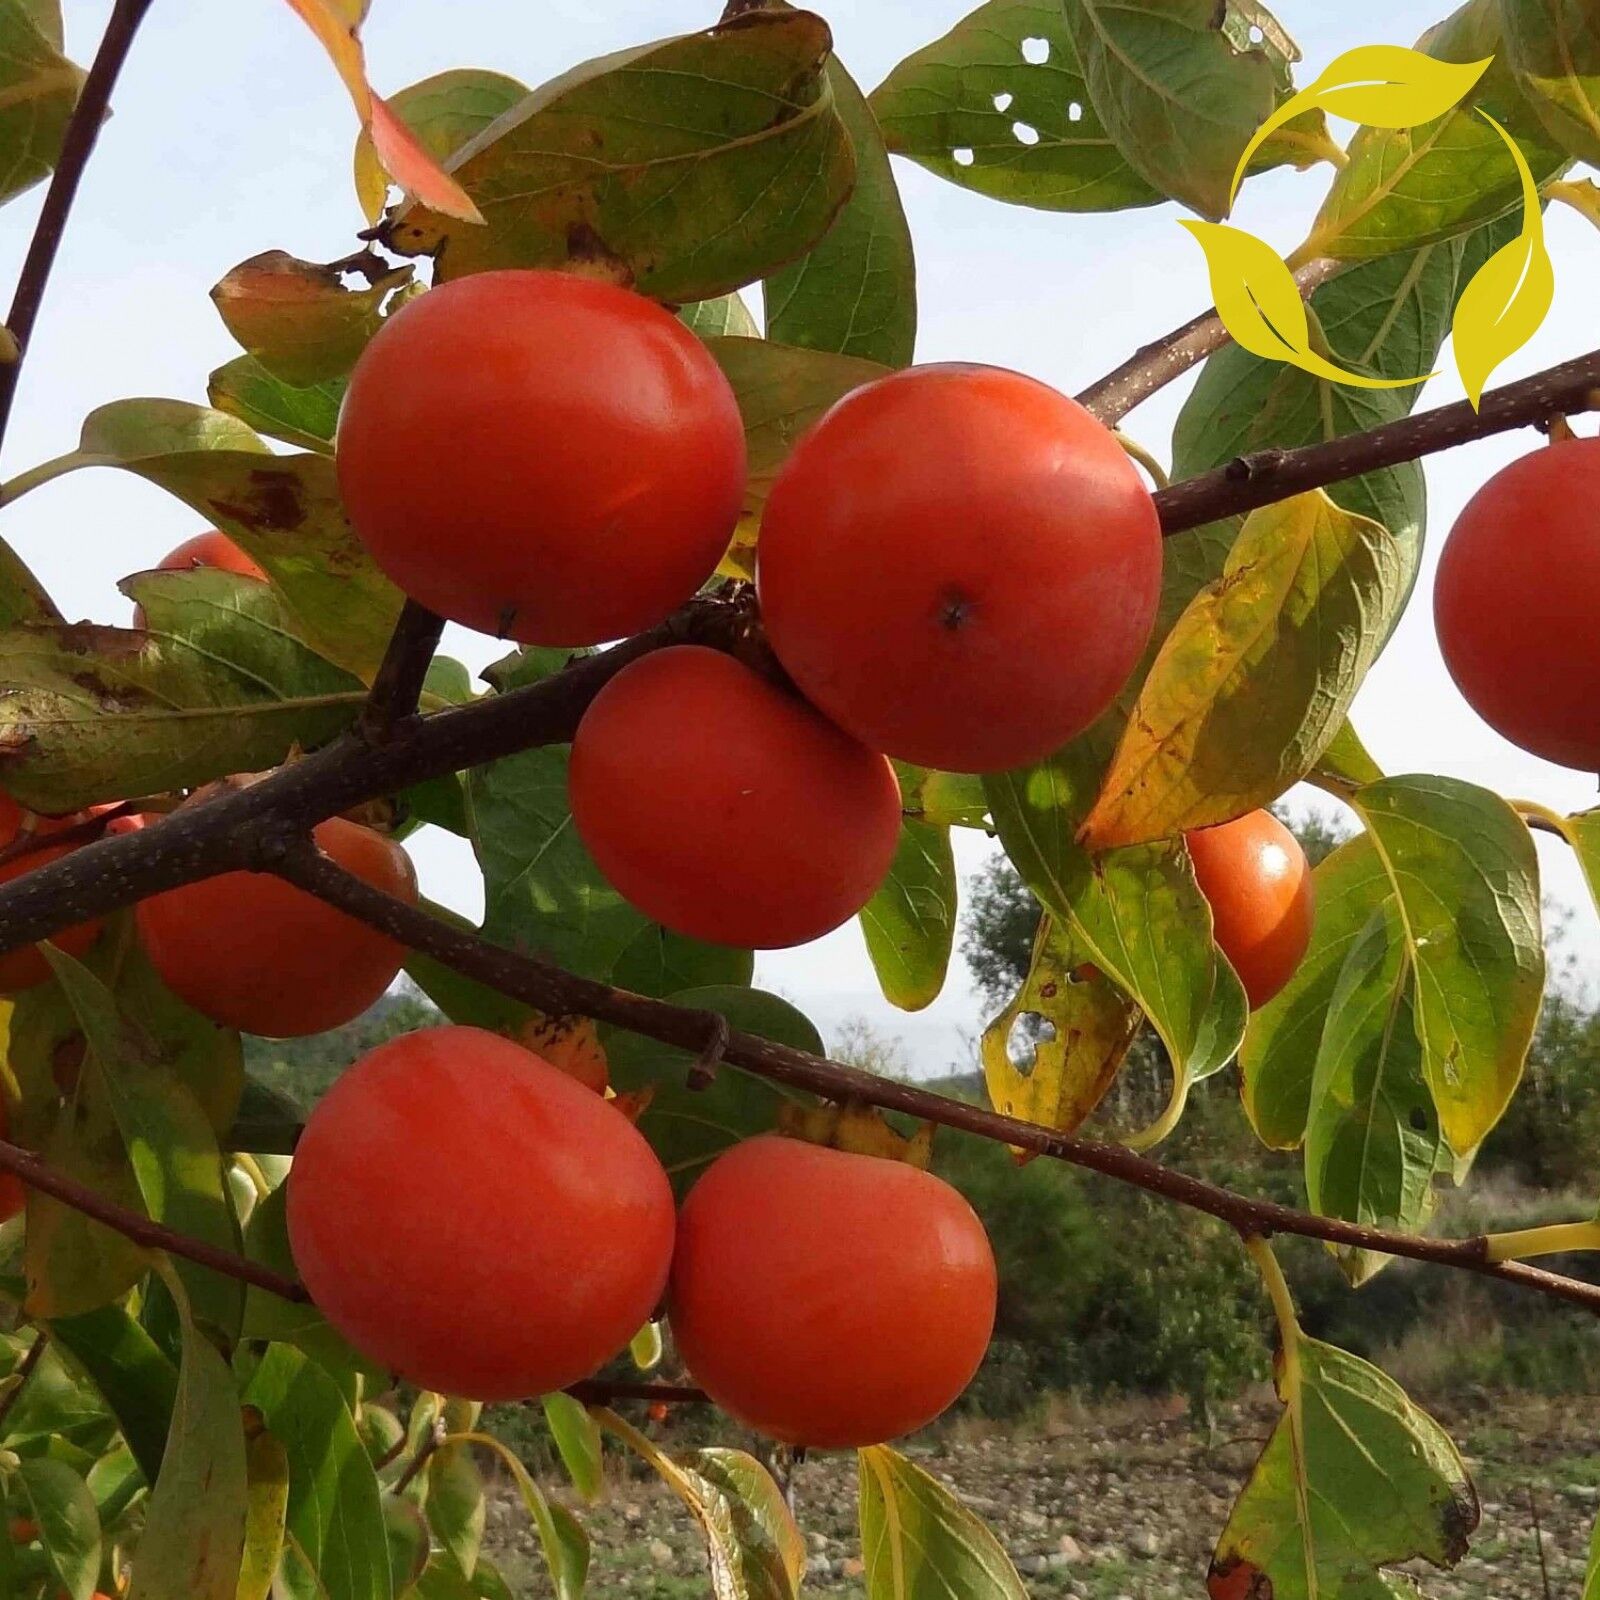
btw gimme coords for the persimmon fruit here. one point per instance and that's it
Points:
(959, 566)
(1516, 598)
(541, 456)
(826, 1298)
(725, 807)
(211, 549)
(253, 952)
(1258, 881)
(476, 1220)
(23, 968)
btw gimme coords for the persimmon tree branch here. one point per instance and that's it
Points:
(37, 1174)
(398, 685)
(1153, 366)
(83, 128)
(552, 989)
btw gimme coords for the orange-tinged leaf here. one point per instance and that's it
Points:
(335, 27)
(404, 159)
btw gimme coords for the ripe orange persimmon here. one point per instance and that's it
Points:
(253, 952)
(541, 456)
(1516, 599)
(960, 566)
(829, 1299)
(474, 1219)
(22, 969)
(213, 549)
(725, 807)
(1258, 881)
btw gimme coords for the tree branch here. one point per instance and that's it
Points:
(36, 1174)
(1155, 365)
(1265, 476)
(602, 1392)
(398, 686)
(551, 989)
(83, 129)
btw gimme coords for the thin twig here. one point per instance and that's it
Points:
(551, 989)
(35, 1174)
(83, 128)
(398, 686)
(1155, 365)
(22, 1372)
(431, 1441)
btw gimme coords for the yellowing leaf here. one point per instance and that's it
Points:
(1260, 305)
(1509, 296)
(1382, 85)
(1583, 195)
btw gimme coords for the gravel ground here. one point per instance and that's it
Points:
(1120, 1504)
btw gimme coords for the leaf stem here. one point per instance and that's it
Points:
(1277, 1287)
(1555, 1239)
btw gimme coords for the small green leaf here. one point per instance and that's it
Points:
(267, 1122)
(407, 1530)
(855, 291)
(1553, 47)
(38, 90)
(69, 1524)
(305, 418)
(561, 1536)
(920, 1543)
(577, 1442)
(645, 1348)
(267, 1500)
(727, 314)
(1583, 834)
(685, 168)
(910, 923)
(455, 1505)
(1344, 764)
(450, 109)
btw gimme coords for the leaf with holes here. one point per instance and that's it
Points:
(1355, 1478)
(1256, 676)
(910, 923)
(781, 392)
(305, 418)
(920, 1543)
(217, 683)
(685, 168)
(1553, 47)
(300, 320)
(1091, 1024)
(855, 291)
(1372, 1137)
(1466, 882)
(38, 90)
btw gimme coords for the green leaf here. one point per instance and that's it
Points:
(1406, 187)
(455, 1503)
(54, 1405)
(1354, 1478)
(334, 1513)
(22, 596)
(38, 90)
(1256, 676)
(1278, 1058)
(781, 391)
(132, 1374)
(1137, 914)
(910, 923)
(1345, 764)
(299, 319)
(920, 1543)
(1466, 883)
(409, 1546)
(69, 1524)
(1372, 1138)
(169, 1141)
(727, 314)
(267, 1500)
(217, 684)
(855, 291)
(1553, 47)
(450, 109)
(116, 1482)
(685, 168)
(193, 1540)
(688, 1128)
(1092, 1023)
(565, 1544)
(1182, 85)
(577, 1442)
(306, 418)
(267, 1122)
(1583, 834)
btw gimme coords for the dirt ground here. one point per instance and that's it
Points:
(1120, 1504)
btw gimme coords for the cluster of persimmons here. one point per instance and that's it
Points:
(957, 567)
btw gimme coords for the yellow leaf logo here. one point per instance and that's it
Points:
(1510, 294)
(1260, 305)
(1383, 85)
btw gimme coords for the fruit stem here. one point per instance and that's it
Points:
(1148, 461)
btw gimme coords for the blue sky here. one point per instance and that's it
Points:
(231, 135)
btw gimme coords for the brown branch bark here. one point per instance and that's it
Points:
(83, 129)
(551, 989)
(1155, 365)
(36, 1174)
(398, 685)
(601, 1392)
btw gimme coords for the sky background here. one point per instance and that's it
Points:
(231, 135)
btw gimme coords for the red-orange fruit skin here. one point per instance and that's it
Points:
(1259, 883)
(725, 807)
(959, 566)
(829, 1299)
(473, 1219)
(22, 969)
(253, 952)
(1516, 599)
(541, 456)
(213, 549)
